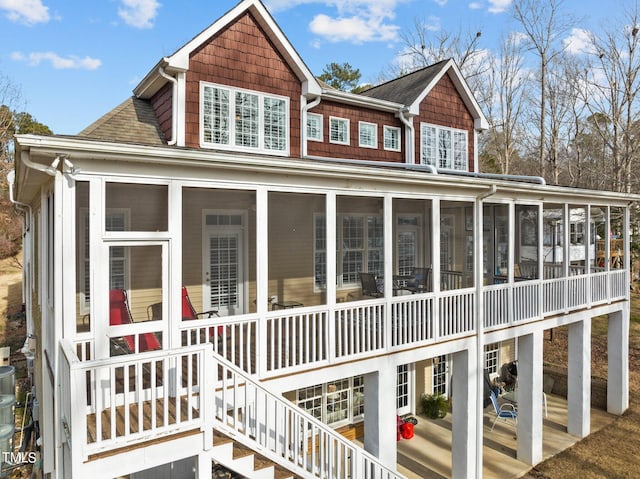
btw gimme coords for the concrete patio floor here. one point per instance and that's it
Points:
(428, 454)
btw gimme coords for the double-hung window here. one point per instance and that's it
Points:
(243, 119)
(391, 138)
(368, 135)
(442, 147)
(314, 127)
(339, 130)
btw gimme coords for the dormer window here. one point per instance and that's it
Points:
(245, 120)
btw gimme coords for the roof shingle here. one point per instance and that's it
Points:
(133, 121)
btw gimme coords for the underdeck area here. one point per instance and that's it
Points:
(428, 454)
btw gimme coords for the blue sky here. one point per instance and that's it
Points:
(75, 60)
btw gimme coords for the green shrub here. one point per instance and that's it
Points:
(434, 406)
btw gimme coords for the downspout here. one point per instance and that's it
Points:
(409, 156)
(478, 256)
(174, 105)
(303, 127)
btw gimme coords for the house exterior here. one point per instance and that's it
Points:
(233, 175)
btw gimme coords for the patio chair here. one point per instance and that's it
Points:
(119, 313)
(419, 281)
(189, 313)
(506, 411)
(369, 285)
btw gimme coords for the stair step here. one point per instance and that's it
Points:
(244, 460)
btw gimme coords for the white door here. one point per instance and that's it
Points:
(223, 268)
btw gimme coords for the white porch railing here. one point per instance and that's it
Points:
(125, 400)
(286, 434)
(293, 340)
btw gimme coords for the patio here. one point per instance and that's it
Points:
(428, 454)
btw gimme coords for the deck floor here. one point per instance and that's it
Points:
(163, 418)
(428, 454)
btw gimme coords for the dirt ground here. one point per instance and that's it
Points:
(613, 452)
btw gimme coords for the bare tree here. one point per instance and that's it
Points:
(504, 102)
(544, 25)
(612, 96)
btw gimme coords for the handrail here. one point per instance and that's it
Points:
(285, 433)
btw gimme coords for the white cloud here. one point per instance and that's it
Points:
(355, 21)
(499, 6)
(29, 12)
(475, 5)
(139, 13)
(579, 42)
(58, 62)
(355, 29)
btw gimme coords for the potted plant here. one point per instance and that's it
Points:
(434, 406)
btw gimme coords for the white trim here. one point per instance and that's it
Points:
(348, 132)
(374, 137)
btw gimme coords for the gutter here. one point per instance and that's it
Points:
(174, 105)
(351, 161)
(478, 260)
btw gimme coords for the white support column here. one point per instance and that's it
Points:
(435, 263)
(566, 258)
(175, 266)
(380, 414)
(330, 241)
(618, 361)
(530, 397)
(579, 378)
(587, 247)
(464, 424)
(388, 266)
(262, 273)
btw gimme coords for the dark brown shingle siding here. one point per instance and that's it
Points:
(241, 56)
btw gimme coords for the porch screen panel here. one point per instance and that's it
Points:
(147, 207)
(615, 236)
(223, 267)
(353, 241)
(83, 286)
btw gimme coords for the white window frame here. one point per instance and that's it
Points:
(345, 125)
(434, 150)
(392, 135)
(367, 139)
(440, 376)
(319, 119)
(232, 121)
(492, 358)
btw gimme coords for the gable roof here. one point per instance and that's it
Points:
(179, 61)
(133, 121)
(412, 88)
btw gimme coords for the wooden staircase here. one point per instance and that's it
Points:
(243, 461)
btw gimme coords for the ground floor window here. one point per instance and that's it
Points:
(440, 372)
(492, 357)
(334, 403)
